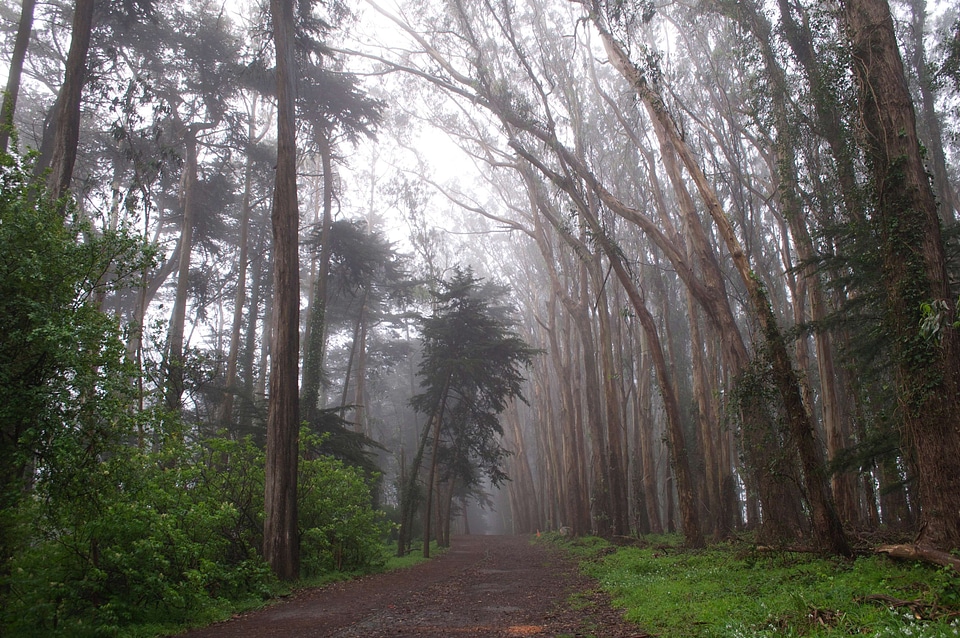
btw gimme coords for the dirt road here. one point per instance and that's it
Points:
(500, 586)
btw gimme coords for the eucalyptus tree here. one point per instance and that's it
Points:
(918, 295)
(826, 523)
(520, 93)
(679, 448)
(921, 68)
(802, 221)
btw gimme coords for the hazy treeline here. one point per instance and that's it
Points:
(732, 248)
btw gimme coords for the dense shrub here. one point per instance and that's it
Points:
(339, 529)
(160, 540)
(166, 536)
(64, 374)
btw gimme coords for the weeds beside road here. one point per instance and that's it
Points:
(734, 590)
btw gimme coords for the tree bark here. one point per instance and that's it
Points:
(918, 552)
(313, 353)
(788, 194)
(686, 490)
(248, 364)
(436, 424)
(523, 481)
(600, 505)
(16, 71)
(60, 154)
(914, 272)
(707, 423)
(678, 447)
(645, 442)
(173, 391)
(280, 535)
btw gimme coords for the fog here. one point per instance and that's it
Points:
(621, 267)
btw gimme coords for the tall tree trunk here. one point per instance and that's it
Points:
(60, 154)
(593, 410)
(258, 274)
(360, 387)
(678, 447)
(173, 392)
(617, 472)
(408, 494)
(240, 298)
(575, 478)
(357, 354)
(267, 329)
(436, 423)
(526, 495)
(929, 128)
(313, 351)
(914, 272)
(554, 504)
(686, 490)
(647, 459)
(280, 535)
(707, 424)
(578, 517)
(16, 71)
(788, 192)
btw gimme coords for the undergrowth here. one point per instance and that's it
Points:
(732, 590)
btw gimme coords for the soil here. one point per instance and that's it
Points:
(496, 586)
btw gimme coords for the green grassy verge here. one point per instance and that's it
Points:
(732, 591)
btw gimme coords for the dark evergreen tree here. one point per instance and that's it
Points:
(472, 367)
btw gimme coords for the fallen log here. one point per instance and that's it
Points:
(921, 553)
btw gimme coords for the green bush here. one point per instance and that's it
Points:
(339, 528)
(164, 538)
(159, 542)
(64, 375)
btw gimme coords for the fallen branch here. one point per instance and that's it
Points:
(918, 552)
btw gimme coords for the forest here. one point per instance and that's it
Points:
(283, 282)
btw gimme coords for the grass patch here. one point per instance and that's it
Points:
(733, 591)
(414, 557)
